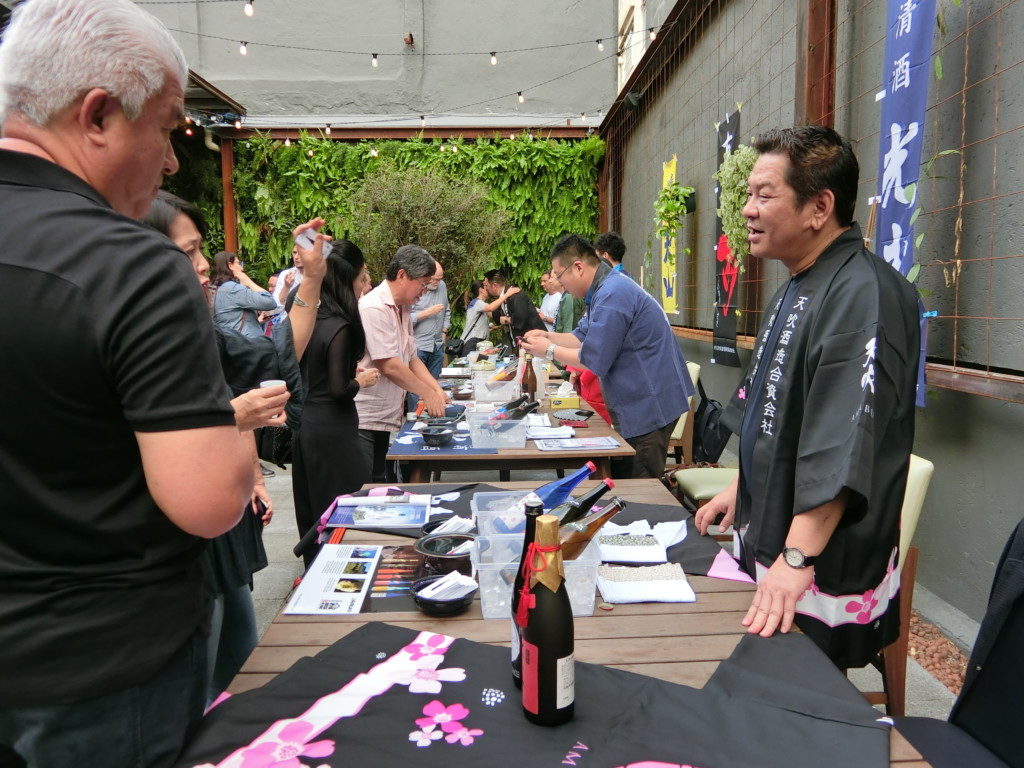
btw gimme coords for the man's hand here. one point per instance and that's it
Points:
(314, 264)
(259, 492)
(505, 320)
(431, 311)
(435, 403)
(536, 343)
(289, 281)
(723, 504)
(510, 292)
(774, 603)
(262, 407)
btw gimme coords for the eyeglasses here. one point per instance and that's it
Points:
(559, 275)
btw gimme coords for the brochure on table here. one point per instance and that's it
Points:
(411, 511)
(337, 582)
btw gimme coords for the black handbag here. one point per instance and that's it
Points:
(453, 347)
(710, 436)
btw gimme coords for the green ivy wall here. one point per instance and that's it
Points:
(548, 187)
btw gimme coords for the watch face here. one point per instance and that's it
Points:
(793, 557)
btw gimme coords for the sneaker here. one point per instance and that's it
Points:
(267, 471)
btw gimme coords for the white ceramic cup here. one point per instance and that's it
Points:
(273, 383)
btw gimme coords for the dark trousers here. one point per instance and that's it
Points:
(145, 726)
(374, 444)
(651, 449)
(434, 361)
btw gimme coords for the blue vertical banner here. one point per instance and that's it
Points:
(906, 71)
(905, 75)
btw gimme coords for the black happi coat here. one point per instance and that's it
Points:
(828, 404)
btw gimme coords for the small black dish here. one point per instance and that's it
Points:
(437, 436)
(439, 608)
(436, 552)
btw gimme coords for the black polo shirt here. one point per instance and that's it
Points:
(104, 331)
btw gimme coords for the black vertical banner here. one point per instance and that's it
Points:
(727, 277)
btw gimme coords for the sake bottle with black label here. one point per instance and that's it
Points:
(534, 509)
(572, 509)
(545, 615)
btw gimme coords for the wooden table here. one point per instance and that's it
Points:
(679, 642)
(422, 466)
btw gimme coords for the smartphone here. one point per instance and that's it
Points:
(584, 414)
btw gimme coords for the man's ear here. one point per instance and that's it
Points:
(823, 206)
(94, 113)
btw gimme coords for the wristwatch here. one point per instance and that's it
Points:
(550, 353)
(795, 558)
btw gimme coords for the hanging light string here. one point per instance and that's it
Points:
(518, 94)
(492, 54)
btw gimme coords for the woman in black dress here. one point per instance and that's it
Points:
(327, 461)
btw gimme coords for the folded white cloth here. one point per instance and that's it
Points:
(634, 543)
(644, 584)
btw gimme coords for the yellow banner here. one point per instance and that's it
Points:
(668, 249)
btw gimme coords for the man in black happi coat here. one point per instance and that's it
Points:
(825, 413)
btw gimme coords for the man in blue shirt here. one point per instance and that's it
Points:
(626, 340)
(611, 248)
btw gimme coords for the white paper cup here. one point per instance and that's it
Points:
(273, 383)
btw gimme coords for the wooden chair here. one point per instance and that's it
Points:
(892, 660)
(681, 441)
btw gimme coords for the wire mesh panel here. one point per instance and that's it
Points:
(792, 61)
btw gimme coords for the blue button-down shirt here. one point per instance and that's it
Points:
(628, 342)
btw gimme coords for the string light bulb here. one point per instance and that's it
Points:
(310, 152)
(287, 141)
(373, 60)
(238, 125)
(188, 131)
(423, 121)
(521, 97)
(653, 34)
(247, 9)
(583, 116)
(455, 149)
(600, 45)
(374, 152)
(494, 58)
(619, 57)
(242, 49)
(327, 130)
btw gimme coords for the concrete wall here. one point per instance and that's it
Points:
(281, 81)
(747, 54)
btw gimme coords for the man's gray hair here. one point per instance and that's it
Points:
(414, 259)
(54, 51)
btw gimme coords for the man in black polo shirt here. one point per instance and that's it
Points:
(118, 449)
(517, 315)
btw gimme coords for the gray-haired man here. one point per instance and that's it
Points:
(391, 348)
(120, 448)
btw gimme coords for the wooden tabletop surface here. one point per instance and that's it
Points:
(678, 642)
(529, 457)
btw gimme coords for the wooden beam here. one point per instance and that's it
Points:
(816, 75)
(360, 133)
(999, 386)
(227, 169)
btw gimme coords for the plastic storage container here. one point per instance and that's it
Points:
(499, 513)
(495, 561)
(487, 432)
(487, 391)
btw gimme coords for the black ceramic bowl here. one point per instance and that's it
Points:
(437, 436)
(428, 528)
(463, 393)
(435, 551)
(439, 607)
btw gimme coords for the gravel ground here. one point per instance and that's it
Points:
(939, 656)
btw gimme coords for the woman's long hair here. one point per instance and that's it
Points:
(337, 296)
(221, 273)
